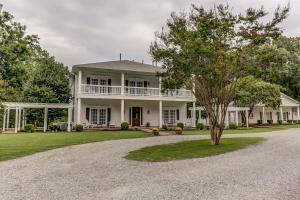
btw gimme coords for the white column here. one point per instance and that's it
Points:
(16, 121)
(159, 85)
(78, 110)
(194, 115)
(263, 115)
(19, 118)
(23, 119)
(298, 113)
(236, 117)
(160, 114)
(4, 118)
(281, 113)
(227, 119)
(69, 119)
(45, 119)
(247, 119)
(122, 111)
(79, 82)
(122, 84)
(7, 121)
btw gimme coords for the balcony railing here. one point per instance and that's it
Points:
(134, 91)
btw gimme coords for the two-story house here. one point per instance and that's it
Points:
(109, 93)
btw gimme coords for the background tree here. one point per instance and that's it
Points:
(250, 91)
(16, 51)
(49, 83)
(209, 49)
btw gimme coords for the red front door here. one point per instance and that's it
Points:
(136, 116)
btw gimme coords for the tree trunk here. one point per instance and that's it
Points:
(215, 135)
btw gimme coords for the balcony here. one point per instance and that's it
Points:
(97, 90)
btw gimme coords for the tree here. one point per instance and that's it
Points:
(250, 91)
(49, 83)
(16, 51)
(209, 49)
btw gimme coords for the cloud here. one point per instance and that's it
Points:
(76, 31)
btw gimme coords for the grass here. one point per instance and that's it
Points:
(241, 131)
(190, 149)
(18, 145)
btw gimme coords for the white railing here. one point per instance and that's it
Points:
(134, 91)
(100, 89)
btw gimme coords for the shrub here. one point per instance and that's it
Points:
(233, 126)
(124, 126)
(155, 131)
(259, 122)
(178, 130)
(289, 121)
(78, 127)
(180, 124)
(279, 121)
(295, 121)
(29, 128)
(53, 127)
(270, 121)
(165, 127)
(200, 126)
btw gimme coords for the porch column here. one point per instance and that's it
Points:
(16, 120)
(159, 85)
(160, 114)
(263, 114)
(194, 115)
(236, 117)
(69, 119)
(298, 113)
(122, 110)
(78, 110)
(281, 113)
(4, 118)
(45, 119)
(23, 119)
(79, 82)
(122, 84)
(7, 121)
(247, 119)
(19, 118)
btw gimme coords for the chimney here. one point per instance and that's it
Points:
(120, 56)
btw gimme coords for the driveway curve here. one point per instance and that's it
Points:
(270, 170)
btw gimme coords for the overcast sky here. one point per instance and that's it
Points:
(78, 31)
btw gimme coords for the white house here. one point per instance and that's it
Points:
(109, 93)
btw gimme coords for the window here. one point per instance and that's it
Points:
(94, 116)
(169, 116)
(102, 116)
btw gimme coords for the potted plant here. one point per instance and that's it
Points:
(155, 131)
(178, 130)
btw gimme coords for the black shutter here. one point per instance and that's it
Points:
(88, 80)
(129, 115)
(177, 114)
(108, 116)
(260, 115)
(126, 83)
(109, 82)
(145, 84)
(87, 114)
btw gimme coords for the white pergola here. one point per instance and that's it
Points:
(21, 107)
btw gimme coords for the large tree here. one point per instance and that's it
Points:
(16, 55)
(209, 49)
(49, 83)
(251, 91)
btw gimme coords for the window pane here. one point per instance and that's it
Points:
(172, 116)
(94, 115)
(102, 116)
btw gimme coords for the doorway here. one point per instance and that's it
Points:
(136, 116)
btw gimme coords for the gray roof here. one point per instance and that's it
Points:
(123, 65)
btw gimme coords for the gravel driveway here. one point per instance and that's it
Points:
(270, 170)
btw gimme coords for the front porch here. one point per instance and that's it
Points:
(110, 113)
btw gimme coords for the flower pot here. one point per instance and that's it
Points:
(155, 133)
(178, 132)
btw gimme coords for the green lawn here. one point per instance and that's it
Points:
(241, 131)
(190, 149)
(18, 145)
